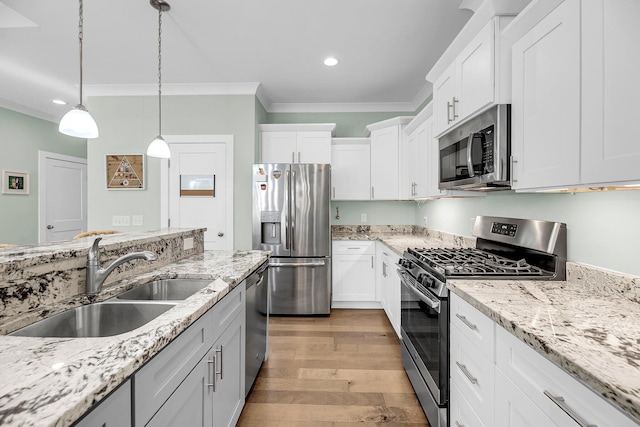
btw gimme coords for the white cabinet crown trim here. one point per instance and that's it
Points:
(400, 120)
(419, 119)
(298, 127)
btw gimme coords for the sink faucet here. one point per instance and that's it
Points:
(96, 275)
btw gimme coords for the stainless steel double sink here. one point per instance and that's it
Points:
(126, 312)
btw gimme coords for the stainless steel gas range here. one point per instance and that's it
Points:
(506, 248)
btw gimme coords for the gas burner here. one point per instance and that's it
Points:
(456, 262)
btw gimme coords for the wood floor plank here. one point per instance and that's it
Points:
(339, 371)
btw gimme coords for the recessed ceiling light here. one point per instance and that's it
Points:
(59, 102)
(330, 61)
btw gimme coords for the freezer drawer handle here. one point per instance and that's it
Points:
(297, 264)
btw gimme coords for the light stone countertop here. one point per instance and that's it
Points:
(592, 334)
(34, 391)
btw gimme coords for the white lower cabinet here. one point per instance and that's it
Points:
(515, 386)
(113, 411)
(354, 278)
(514, 409)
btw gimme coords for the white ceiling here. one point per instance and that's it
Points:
(385, 49)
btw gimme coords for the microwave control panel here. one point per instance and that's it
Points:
(504, 229)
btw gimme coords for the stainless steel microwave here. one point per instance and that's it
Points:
(475, 155)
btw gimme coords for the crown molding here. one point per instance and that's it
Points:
(19, 108)
(248, 88)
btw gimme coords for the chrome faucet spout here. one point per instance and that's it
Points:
(96, 275)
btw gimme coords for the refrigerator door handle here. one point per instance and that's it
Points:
(286, 211)
(293, 209)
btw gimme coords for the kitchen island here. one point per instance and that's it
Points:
(54, 381)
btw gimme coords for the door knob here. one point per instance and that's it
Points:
(49, 227)
(220, 234)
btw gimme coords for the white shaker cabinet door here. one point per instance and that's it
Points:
(350, 172)
(444, 100)
(313, 147)
(278, 147)
(385, 163)
(546, 101)
(611, 59)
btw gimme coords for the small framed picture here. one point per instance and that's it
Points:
(125, 171)
(15, 182)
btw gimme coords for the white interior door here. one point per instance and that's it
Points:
(200, 189)
(62, 182)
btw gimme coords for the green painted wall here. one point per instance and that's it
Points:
(602, 227)
(261, 118)
(128, 124)
(378, 213)
(21, 137)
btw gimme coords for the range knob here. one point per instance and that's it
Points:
(422, 278)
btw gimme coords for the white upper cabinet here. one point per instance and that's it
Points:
(477, 78)
(385, 157)
(574, 95)
(610, 60)
(296, 143)
(350, 169)
(421, 179)
(546, 101)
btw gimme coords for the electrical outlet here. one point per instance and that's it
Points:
(188, 243)
(426, 221)
(363, 217)
(121, 220)
(137, 220)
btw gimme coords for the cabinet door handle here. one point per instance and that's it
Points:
(513, 168)
(449, 106)
(464, 320)
(458, 424)
(373, 192)
(210, 362)
(371, 261)
(559, 401)
(293, 157)
(334, 192)
(455, 101)
(384, 269)
(221, 358)
(466, 373)
(298, 157)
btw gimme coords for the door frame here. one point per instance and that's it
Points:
(164, 177)
(42, 189)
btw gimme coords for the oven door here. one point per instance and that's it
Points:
(425, 333)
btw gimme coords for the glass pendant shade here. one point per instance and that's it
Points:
(79, 123)
(159, 148)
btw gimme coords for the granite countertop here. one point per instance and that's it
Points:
(588, 325)
(54, 381)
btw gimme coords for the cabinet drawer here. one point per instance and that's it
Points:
(227, 308)
(473, 374)
(475, 326)
(460, 411)
(535, 375)
(157, 380)
(352, 247)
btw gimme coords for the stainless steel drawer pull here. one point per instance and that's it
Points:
(212, 361)
(559, 401)
(466, 373)
(220, 351)
(464, 320)
(458, 424)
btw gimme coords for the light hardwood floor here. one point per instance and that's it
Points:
(337, 371)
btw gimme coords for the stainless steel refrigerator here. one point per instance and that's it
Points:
(291, 204)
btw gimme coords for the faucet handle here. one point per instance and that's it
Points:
(94, 252)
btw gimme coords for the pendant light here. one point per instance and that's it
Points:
(159, 147)
(78, 122)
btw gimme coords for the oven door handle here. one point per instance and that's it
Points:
(431, 302)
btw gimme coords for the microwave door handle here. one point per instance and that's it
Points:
(469, 153)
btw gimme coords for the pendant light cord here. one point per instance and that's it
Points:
(80, 36)
(159, 71)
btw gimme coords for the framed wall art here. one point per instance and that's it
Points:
(125, 171)
(15, 182)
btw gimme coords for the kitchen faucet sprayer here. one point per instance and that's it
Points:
(96, 275)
